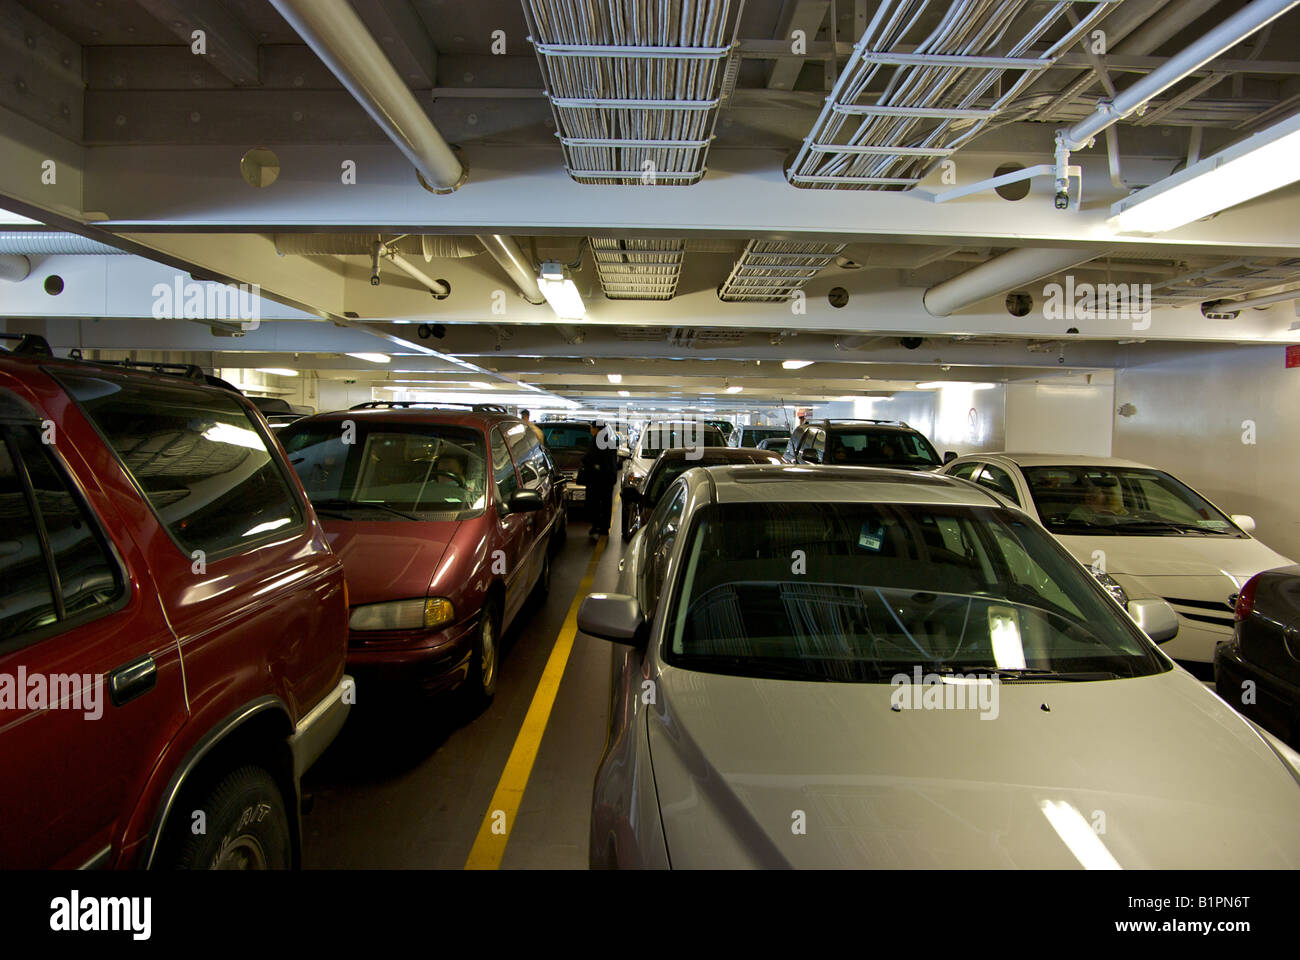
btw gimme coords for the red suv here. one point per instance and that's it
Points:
(172, 619)
(446, 520)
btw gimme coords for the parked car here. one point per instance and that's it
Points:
(1145, 530)
(567, 441)
(862, 443)
(279, 413)
(671, 464)
(1258, 670)
(658, 436)
(172, 622)
(823, 647)
(446, 521)
(753, 436)
(775, 444)
(725, 427)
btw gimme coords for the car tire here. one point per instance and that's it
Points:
(246, 826)
(485, 659)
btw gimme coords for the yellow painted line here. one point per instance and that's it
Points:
(494, 833)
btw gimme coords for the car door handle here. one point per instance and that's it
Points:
(132, 680)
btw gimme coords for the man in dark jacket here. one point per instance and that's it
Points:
(599, 471)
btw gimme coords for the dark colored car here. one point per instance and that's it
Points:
(671, 464)
(279, 413)
(725, 427)
(862, 443)
(446, 521)
(753, 436)
(1258, 670)
(172, 623)
(567, 441)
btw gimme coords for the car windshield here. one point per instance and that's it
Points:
(570, 436)
(388, 471)
(1122, 501)
(660, 437)
(860, 592)
(894, 448)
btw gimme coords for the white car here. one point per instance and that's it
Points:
(1145, 532)
(655, 438)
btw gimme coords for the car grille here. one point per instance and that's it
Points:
(1203, 611)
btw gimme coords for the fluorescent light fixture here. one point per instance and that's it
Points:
(940, 384)
(372, 357)
(560, 292)
(615, 377)
(796, 364)
(1257, 165)
(278, 371)
(932, 384)
(624, 393)
(734, 389)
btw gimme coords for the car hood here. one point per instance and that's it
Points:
(1176, 556)
(1156, 770)
(388, 560)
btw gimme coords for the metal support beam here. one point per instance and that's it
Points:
(231, 50)
(802, 15)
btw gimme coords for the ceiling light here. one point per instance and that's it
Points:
(1257, 165)
(278, 371)
(560, 292)
(624, 393)
(372, 357)
(734, 389)
(615, 377)
(932, 385)
(796, 364)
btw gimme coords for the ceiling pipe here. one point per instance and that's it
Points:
(337, 35)
(1001, 274)
(438, 288)
(14, 267)
(518, 267)
(1223, 37)
(53, 243)
(1232, 306)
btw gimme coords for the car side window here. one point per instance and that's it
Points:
(660, 537)
(964, 470)
(525, 446)
(995, 478)
(503, 468)
(53, 560)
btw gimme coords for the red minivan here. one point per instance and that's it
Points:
(172, 632)
(446, 520)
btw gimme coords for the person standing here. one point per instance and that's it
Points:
(599, 471)
(528, 419)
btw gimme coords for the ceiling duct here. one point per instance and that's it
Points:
(53, 243)
(635, 85)
(14, 267)
(1010, 270)
(770, 271)
(638, 269)
(912, 95)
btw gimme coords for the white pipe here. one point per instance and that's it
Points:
(1001, 274)
(14, 267)
(436, 287)
(334, 31)
(1232, 306)
(53, 243)
(1223, 37)
(506, 252)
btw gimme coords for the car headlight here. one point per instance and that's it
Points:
(1112, 587)
(426, 613)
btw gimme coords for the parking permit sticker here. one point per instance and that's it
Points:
(871, 536)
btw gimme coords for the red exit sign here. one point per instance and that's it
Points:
(1293, 356)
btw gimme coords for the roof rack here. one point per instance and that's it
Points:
(29, 345)
(887, 423)
(429, 404)
(188, 371)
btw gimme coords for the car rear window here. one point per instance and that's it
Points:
(658, 438)
(569, 437)
(881, 448)
(201, 461)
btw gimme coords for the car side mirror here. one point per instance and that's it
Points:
(1245, 521)
(616, 617)
(525, 501)
(1155, 617)
(949, 457)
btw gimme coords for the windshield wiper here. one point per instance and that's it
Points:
(338, 505)
(1036, 673)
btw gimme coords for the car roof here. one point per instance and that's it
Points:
(739, 454)
(789, 483)
(429, 415)
(1057, 460)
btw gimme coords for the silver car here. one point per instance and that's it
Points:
(856, 667)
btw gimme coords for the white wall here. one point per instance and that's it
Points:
(1066, 418)
(1189, 421)
(337, 395)
(955, 418)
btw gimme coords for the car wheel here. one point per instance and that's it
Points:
(246, 826)
(481, 685)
